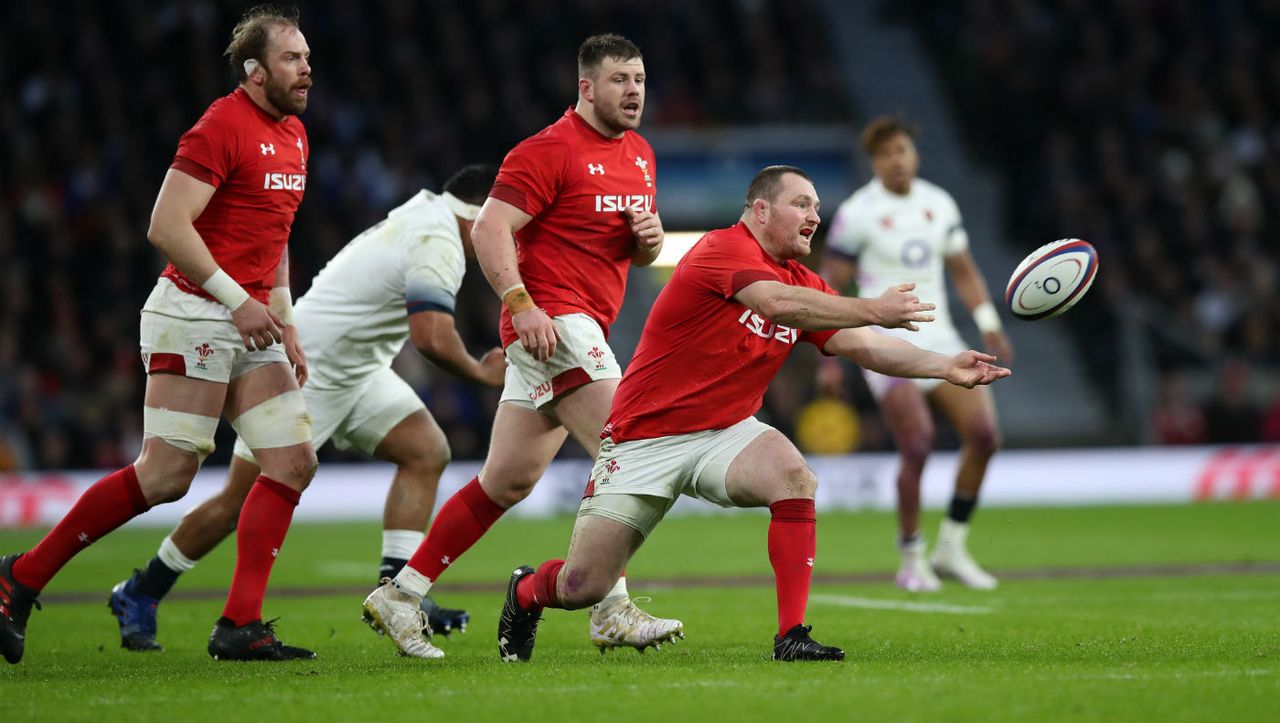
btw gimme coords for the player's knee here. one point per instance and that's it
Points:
(915, 446)
(982, 439)
(581, 589)
(297, 469)
(431, 458)
(507, 487)
(169, 480)
(799, 481)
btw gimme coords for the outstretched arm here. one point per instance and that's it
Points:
(894, 357)
(800, 307)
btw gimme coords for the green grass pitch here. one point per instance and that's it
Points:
(1185, 628)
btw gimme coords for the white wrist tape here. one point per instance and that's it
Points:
(225, 289)
(281, 302)
(986, 317)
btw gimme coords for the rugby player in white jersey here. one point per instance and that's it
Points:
(397, 281)
(900, 228)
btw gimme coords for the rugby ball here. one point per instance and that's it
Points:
(1051, 279)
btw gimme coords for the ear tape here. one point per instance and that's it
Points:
(250, 65)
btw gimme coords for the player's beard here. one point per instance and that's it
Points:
(282, 98)
(615, 121)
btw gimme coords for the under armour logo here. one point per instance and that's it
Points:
(275, 552)
(808, 561)
(268, 148)
(595, 169)
(445, 561)
(84, 537)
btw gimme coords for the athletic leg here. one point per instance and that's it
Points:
(907, 415)
(135, 601)
(771, 472)
(973, 413)
(266, 408)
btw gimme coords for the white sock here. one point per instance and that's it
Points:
(952, 534)
(413, 582)
(619, 589)
(173, 558)
(401, 544)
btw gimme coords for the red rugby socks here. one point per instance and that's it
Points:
(264, 520)
(461, 522)
(538, 590)
(792, 545)
(108, 504)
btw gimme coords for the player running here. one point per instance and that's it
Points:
(397, 281)
(900, 228)
(682, 420)
(217, 338)
(578, 198)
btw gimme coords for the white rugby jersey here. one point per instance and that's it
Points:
(901, 239)
(355, 317)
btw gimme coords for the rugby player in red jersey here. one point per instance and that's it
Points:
(681, 422)
(217, 339)
(572, 210)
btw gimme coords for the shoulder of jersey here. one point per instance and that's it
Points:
(859, 198)
(933, 189)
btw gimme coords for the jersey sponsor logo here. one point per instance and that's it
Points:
(766, 329)
(284, 181)
(595, 169)
(268, 148)
(613, 204)
(540, 391)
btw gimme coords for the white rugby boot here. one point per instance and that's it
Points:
(951, 557)
(914, 574)
(617, 622)
(394, 612)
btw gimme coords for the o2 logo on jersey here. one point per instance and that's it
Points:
(916, 254)
(766, 329)
(614, 204)
(284, 181)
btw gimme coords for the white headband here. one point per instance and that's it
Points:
(460, 208)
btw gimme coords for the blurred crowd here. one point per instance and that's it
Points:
(1151, 129)
(95, 96)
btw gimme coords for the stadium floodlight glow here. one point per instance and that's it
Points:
(675, 244)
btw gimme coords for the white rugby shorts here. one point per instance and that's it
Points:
(636, 482)
(356, 417)
(185, 334)
(582, 356)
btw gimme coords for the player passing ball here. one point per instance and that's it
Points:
(682, 419)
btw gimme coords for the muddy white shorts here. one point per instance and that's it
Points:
(185, 334)
(581, 357)
(636, 482)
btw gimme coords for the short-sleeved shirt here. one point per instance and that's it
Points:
(355, 317)
(704, 359)
(258, 166)
(576, 184)
(901, 239)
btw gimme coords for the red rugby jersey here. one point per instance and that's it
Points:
(576, 183)
(258, 166)
(704, 359)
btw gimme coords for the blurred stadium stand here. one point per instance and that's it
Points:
(1147, 128)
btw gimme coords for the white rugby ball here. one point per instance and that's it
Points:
(1051, 279)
